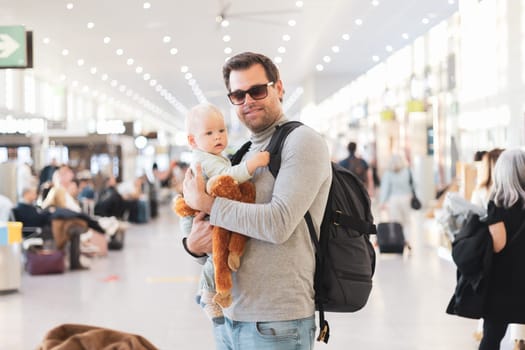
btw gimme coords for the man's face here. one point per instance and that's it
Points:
(257, 115)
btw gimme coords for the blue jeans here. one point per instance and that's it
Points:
(278, 335)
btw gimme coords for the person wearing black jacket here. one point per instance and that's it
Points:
(29, 214)
(505, 302)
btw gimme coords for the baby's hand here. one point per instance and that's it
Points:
(262, 158)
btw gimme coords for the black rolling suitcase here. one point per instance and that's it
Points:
(390, 237)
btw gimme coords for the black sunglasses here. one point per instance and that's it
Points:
(257, 92)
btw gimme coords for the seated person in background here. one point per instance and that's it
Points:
(131, 192)
(63, 195)
(59, 195)
(86, 195)
(28, 213)
(110, 202)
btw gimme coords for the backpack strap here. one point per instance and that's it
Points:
(355, 223)
(237, 156)
(275, 147)
(276, 144)
(324, 327)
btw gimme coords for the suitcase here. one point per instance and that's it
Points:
(390, 237)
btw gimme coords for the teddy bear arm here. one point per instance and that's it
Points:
(182, 209)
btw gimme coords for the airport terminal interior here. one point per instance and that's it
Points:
(94, 97)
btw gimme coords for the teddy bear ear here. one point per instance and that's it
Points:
(219, 180)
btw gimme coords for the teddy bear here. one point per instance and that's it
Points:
(227, 246)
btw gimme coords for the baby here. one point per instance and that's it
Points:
(208, 137)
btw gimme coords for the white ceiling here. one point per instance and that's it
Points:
(198, 37)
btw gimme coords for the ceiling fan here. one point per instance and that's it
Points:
(224, 17)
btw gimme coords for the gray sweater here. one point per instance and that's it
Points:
(275, 280)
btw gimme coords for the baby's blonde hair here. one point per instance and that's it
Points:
(196, 113)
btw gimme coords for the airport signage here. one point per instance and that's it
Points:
(16, 47)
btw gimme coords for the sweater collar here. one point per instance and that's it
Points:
(267, 133)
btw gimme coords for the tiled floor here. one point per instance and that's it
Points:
(148, 289)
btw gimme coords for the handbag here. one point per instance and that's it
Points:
(415, 203)
(45, 261)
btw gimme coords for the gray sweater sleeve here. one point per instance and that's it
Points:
(304, 172)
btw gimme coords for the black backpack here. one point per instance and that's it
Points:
(345, 258)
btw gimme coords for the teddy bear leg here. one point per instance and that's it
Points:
(223, 278)
(238, 241)
(236, 248)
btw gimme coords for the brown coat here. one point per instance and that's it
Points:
(83, 337)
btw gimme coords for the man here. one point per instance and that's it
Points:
(273, 295)
(359, 167)
(28, 213)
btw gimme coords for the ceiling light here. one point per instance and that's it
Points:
(425, 20)
(405, 36)
(281, 49)
(130, 61)
(93, 70)
(228, 50)
(153, 82)
(65, 52)
(327, 59)
(319, 67)
(375, 3)
(85, 88)
(138, 69)
(286, 37)
(69, 6)
(292, 23)
(451, 2)
(299, 3)
(46, 40)
(122, 88)
(188, 76)
(104, 77)
(388, 48)
(375, 58)
(346, 36)
(278, 59)
(146, 5)
(119, 52)
(358, 22)
(114, 83)
(146, 76)
(174, 51)
(166, 39)
(90, 25)
(74, 83)
(335, 49)
(80, 62)
(225, 23)
(184, 69)
(226, 38)
(107, 39)
(63, 77)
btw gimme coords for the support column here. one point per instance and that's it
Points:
(515, 74)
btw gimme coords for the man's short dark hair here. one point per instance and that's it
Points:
(244, 61)
(352, 147)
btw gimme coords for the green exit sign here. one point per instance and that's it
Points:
(14, 47)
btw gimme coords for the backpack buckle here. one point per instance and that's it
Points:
(337, 215)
